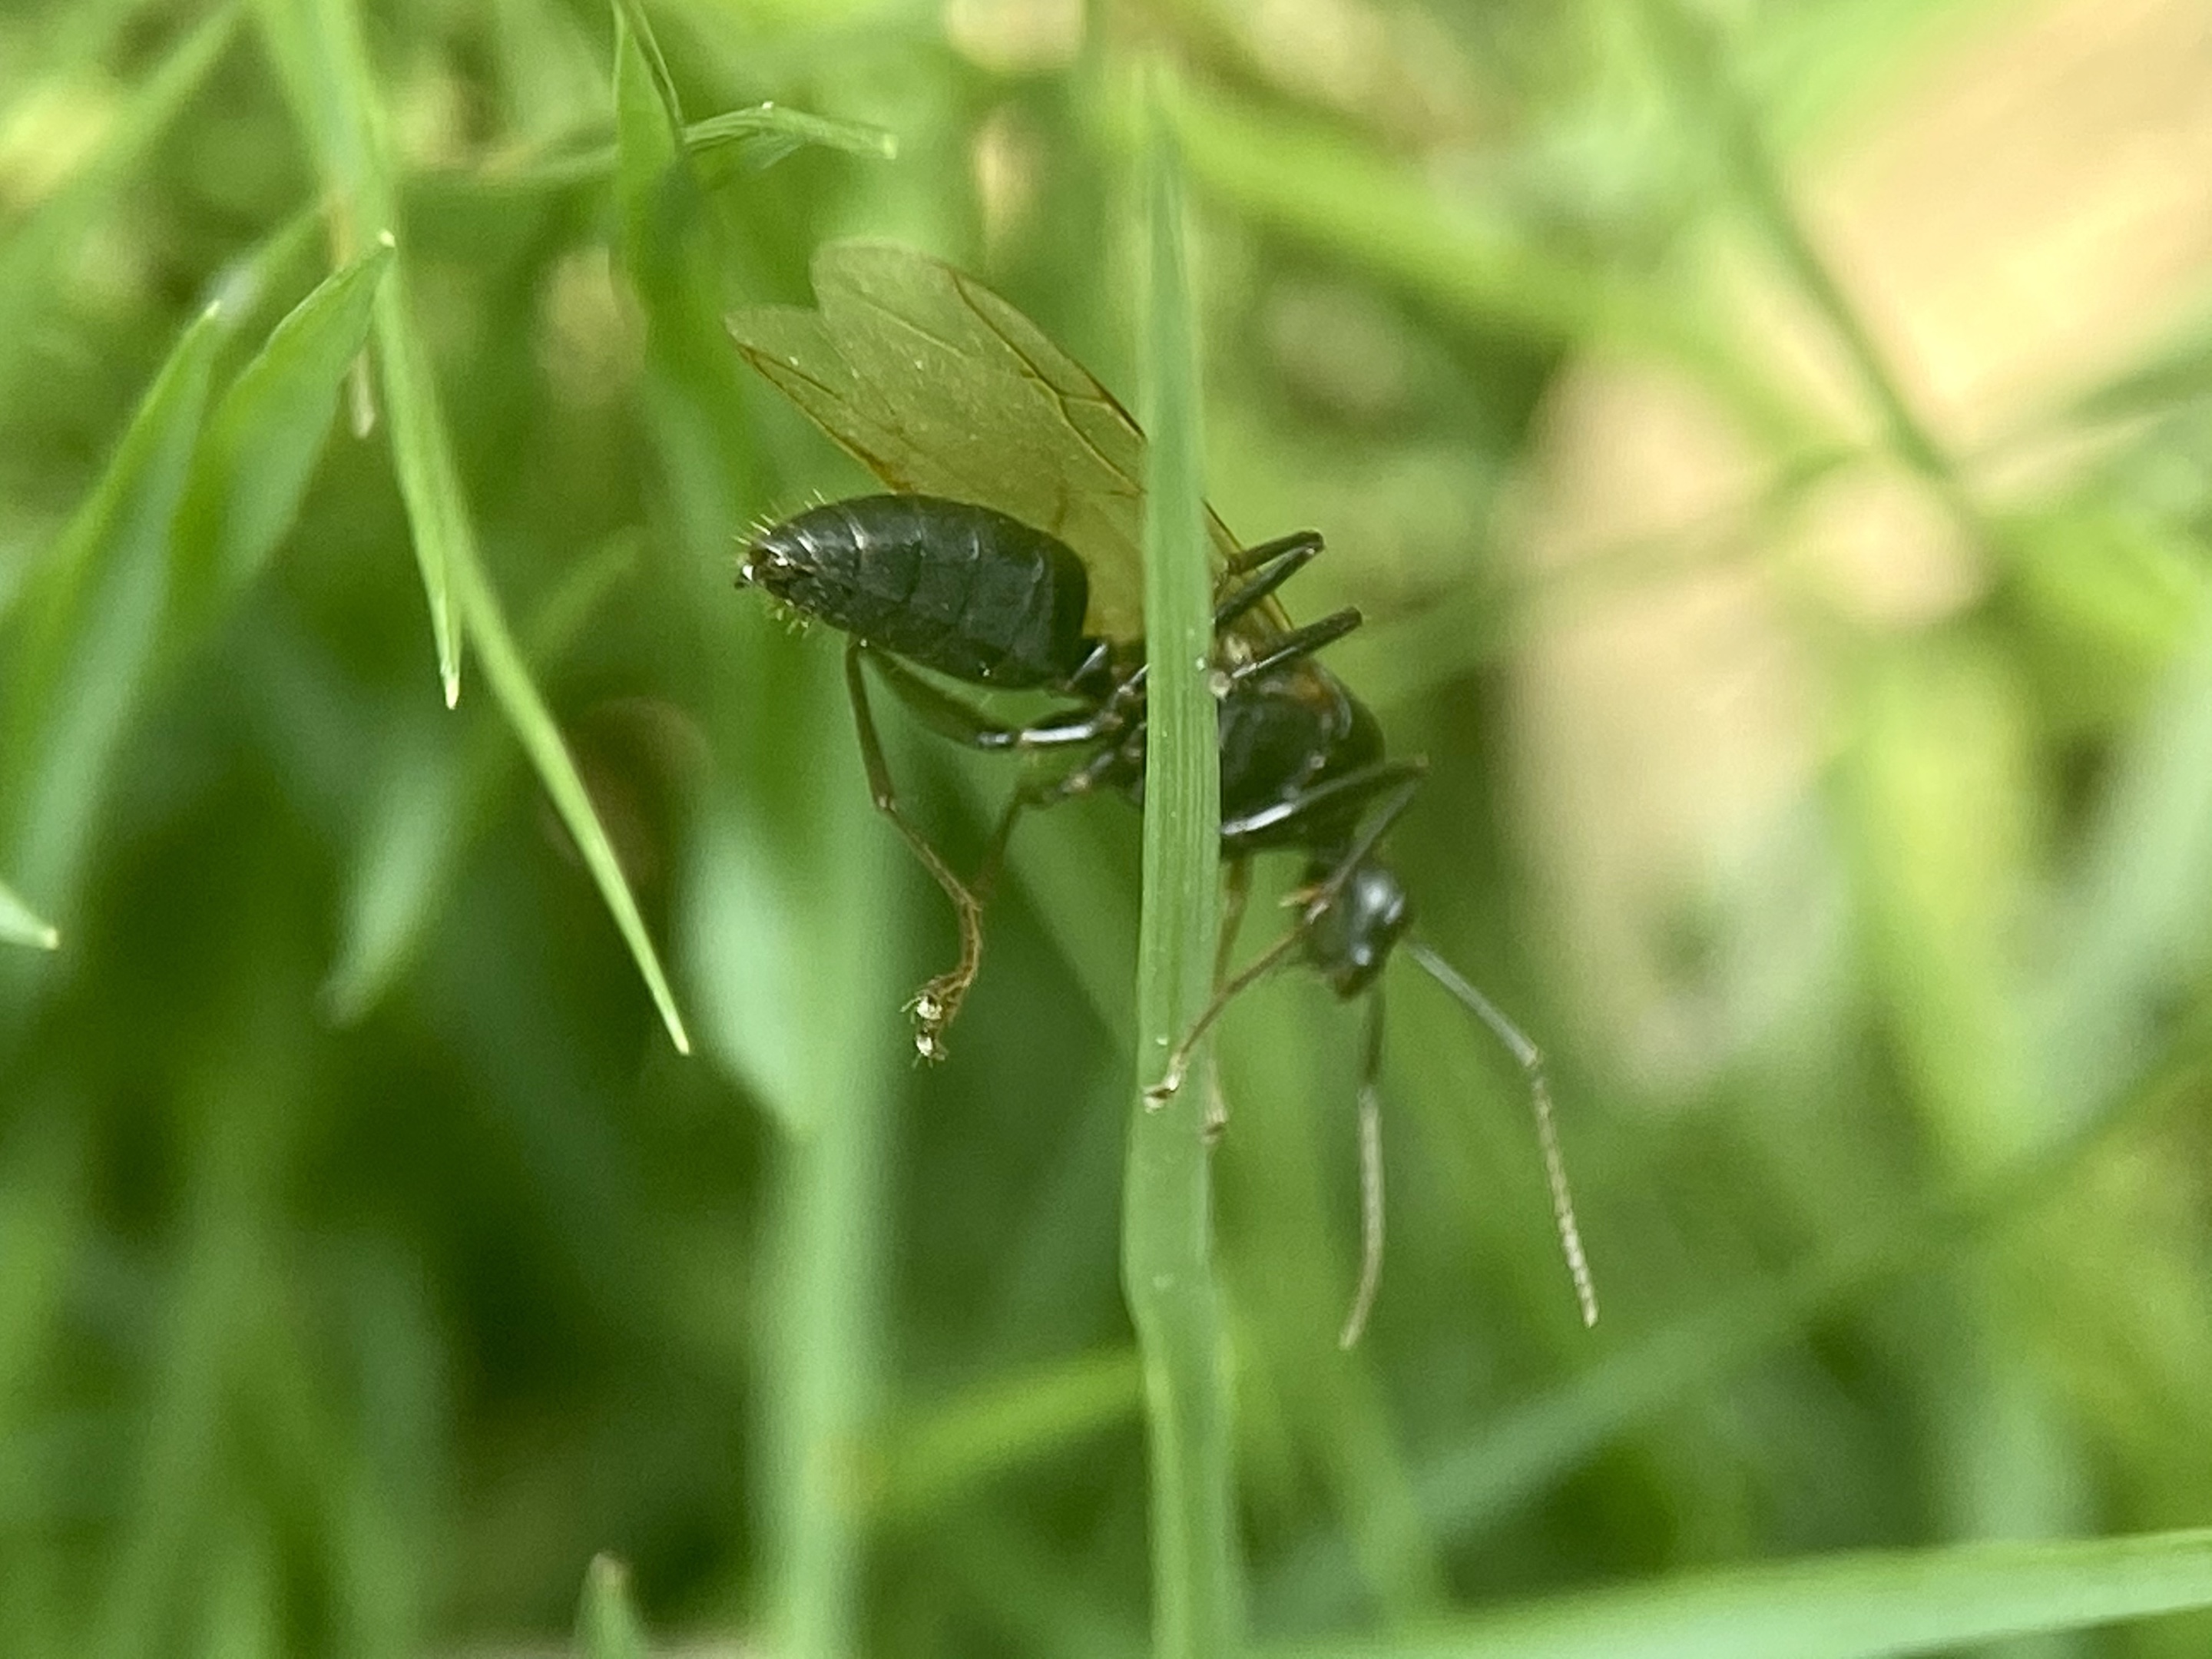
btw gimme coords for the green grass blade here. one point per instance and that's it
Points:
(741, 925)
(2174, 371)
(607, 1625)
(735, 143)
(760, 136)
(33, 250)
(936, 1456)
(20, 925)
(1848, 1607)
(86, 631)
(429, 478)
(432, 800)
(519, 698)
(636, 44)
(323, 61)
(2136, 907)
(267, 433)
(1695, 59)
(1315, 185)
(404, 863)
(1167, 1244)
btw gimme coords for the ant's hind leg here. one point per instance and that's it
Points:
(1028, 797)
(1235, 895)
(964, 723)
(936, 1004)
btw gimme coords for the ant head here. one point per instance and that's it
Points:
(1351, 936)
(767, 555)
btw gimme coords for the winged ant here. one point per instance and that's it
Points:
(1007, 557)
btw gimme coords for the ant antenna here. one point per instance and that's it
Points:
(1371, 1179)
(1530, 1059)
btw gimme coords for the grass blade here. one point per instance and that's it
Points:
(1847, 1607)
(519, 698)
(1167, 1243)
(935, 1457)
(429, 479)
(2135, 907)
(323, 61)
(89, 625)
(268, 432)
(735, 143)
(435, 800)
(758, 137)
(20, 925)
(1696, 61)
(607, 1625)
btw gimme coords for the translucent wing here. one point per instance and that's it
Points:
(940, 387)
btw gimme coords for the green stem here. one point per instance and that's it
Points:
(1167, 1216)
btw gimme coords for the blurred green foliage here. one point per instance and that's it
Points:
(370, 1260)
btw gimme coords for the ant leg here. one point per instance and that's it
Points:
(1300, 642)
(1236, 894)
(1029, 796)
(1299, 545)
(936, 1004)
(1530, 1060)
(964, 723)
(1402, 779)
(1352, 788)
(1277, 562)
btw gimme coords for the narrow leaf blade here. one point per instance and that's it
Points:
(1843, 1607)
(519, 698)
(607, 1625)
(268, 432)
(1167, 1244)
(90, 625)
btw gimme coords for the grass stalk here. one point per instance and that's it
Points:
(1167, 1215)
(1695, 58)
